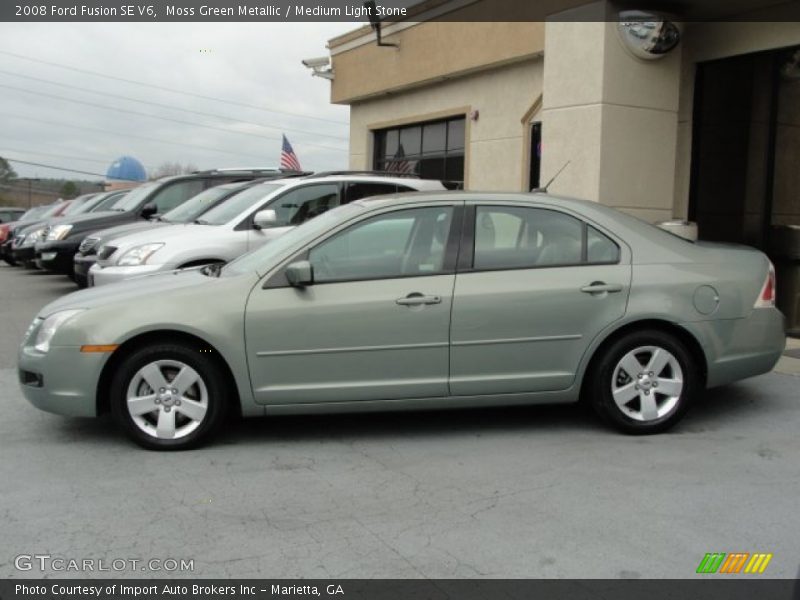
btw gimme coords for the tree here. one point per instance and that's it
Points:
(172, 168)
(7, 173)
(69, 190)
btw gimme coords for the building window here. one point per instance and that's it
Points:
(433, 150)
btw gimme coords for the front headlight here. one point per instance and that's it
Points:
(138, 255)
(50, 326)
(59, 232)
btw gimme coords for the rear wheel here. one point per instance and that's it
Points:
(169, 396)
(645, 382)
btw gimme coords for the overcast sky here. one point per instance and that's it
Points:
(249, 63)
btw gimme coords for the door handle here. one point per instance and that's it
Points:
(417, 299)
(600, 287)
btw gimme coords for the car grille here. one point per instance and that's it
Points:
(105, 252)
(45, 233)
(87, 245)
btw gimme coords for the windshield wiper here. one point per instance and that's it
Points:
(201, 222)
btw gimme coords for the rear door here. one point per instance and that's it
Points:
(534, 287)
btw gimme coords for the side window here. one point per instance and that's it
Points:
(403, 243)
(176, 194)
(511, 238)
(600, 248)
(358, 190)
(302, 204)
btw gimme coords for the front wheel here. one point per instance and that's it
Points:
(645, 382)
(169, 396)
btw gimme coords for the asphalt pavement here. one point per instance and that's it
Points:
(512, 493)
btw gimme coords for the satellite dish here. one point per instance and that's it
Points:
(647, 35)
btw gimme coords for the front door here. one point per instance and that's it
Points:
(537, 288)
(373, 326)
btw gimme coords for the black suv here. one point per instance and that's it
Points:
(149, 200)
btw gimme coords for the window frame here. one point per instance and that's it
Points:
(247, 222)
(451, 248)
(466, 259)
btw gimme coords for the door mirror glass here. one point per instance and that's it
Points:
(148, 210)
(300, 273)
(265, 218)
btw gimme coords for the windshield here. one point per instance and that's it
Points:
(262, 258)
(109, 201)
(53, 208)
(233, 206)
(33, 213)
(196, 205)
(135, 197)
(78, 205)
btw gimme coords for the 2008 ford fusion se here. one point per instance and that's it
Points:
(432, 300)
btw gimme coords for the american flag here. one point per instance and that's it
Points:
(288, 157)
(399, 164)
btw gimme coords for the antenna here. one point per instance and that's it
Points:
(552, 179)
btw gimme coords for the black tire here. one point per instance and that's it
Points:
(632, 417)
(10, 261)
(216, 400)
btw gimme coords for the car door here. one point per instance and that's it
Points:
(296, 206)
(537, 286)
(375, 323)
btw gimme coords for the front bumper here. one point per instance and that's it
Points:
(57, 256)
(81, 265)
(62, 381)
(24, 254)
(740, 348)
(99, 275)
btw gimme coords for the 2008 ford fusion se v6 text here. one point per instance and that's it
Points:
(431, 300)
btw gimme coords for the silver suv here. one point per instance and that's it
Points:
(243, 222)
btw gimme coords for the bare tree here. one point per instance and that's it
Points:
(172, 168)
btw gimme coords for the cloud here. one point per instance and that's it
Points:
(249, 63)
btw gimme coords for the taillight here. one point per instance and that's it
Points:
(3, 233)
(766, 298)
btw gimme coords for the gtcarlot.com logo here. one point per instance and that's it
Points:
(734, 563)
(46, 562)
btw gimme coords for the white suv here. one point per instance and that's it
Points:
(242, 223)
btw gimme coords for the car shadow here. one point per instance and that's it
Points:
(713, 408)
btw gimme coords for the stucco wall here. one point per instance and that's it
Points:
(495, 142)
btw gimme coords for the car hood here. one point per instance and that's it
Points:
(98, 220)
(106, 235)
(136, 292)
(189, 233)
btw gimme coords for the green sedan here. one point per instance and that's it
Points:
(422, 301)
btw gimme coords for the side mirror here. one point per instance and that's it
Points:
(300, 273)
(265, 218)
(148, 210)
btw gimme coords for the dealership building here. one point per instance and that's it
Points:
(706, 128)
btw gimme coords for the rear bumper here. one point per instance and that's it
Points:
(740, 348)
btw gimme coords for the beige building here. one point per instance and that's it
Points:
(707, 132)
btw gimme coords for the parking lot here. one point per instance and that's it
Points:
(517, 493)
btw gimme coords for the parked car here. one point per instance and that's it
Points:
(23, 244)
(10, 213)
(184, 213)
(435, 300)
(244, 222)
(7, 230)
(148, 200)
(97, 203)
